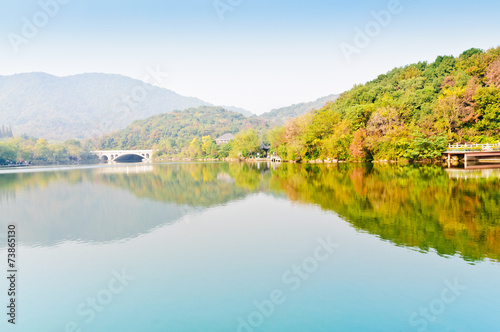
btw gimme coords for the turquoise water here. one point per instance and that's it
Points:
(218, 247)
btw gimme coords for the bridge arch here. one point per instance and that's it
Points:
(125, 155)
(130, 157)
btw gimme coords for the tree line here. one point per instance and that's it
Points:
(246, 144)
(28, 149)
(6, 132)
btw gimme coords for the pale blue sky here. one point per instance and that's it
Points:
(264, 54)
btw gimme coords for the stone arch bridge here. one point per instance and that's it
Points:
(124, 155)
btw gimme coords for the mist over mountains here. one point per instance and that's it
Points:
(81, 106)
(90, 105)
(281, 115)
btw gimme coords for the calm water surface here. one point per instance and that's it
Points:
(236, 247)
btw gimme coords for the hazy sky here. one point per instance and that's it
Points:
(255, 54)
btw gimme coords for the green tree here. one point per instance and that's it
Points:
(7, 152)
(209, 147)
(42, 151)
(424, 147)
(224, 150)
(488, 99)
(245, 144)
(195, 149)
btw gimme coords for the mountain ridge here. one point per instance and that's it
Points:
(89, 105)
(280, 116)
(83, 105)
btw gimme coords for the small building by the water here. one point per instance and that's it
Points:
(224, 139)
(265, 148)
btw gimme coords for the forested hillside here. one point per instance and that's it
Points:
(409, 113)
(177, 129)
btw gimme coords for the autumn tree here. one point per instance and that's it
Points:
(209, 147)
(493, 74)
(357, 147)
(195, 149)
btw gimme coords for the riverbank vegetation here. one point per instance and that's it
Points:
(17, 150)
(410, 113)
(246, 144)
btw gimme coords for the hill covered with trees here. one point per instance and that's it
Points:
(409, 113)
(171, 133)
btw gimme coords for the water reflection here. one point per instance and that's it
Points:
(128, 169)
(456, 173)
(420, 207)
(427, 208)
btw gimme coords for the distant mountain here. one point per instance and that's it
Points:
(238, 110)
(81, 106)
(281, 115)
(91, 105)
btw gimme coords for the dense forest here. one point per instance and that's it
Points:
(410, 113)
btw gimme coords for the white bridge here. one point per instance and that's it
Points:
(123, 155)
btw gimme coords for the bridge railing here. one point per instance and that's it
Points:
(473, 147)
(124, 151)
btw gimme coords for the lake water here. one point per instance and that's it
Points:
(238, 247)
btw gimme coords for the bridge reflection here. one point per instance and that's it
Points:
(132, 169)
